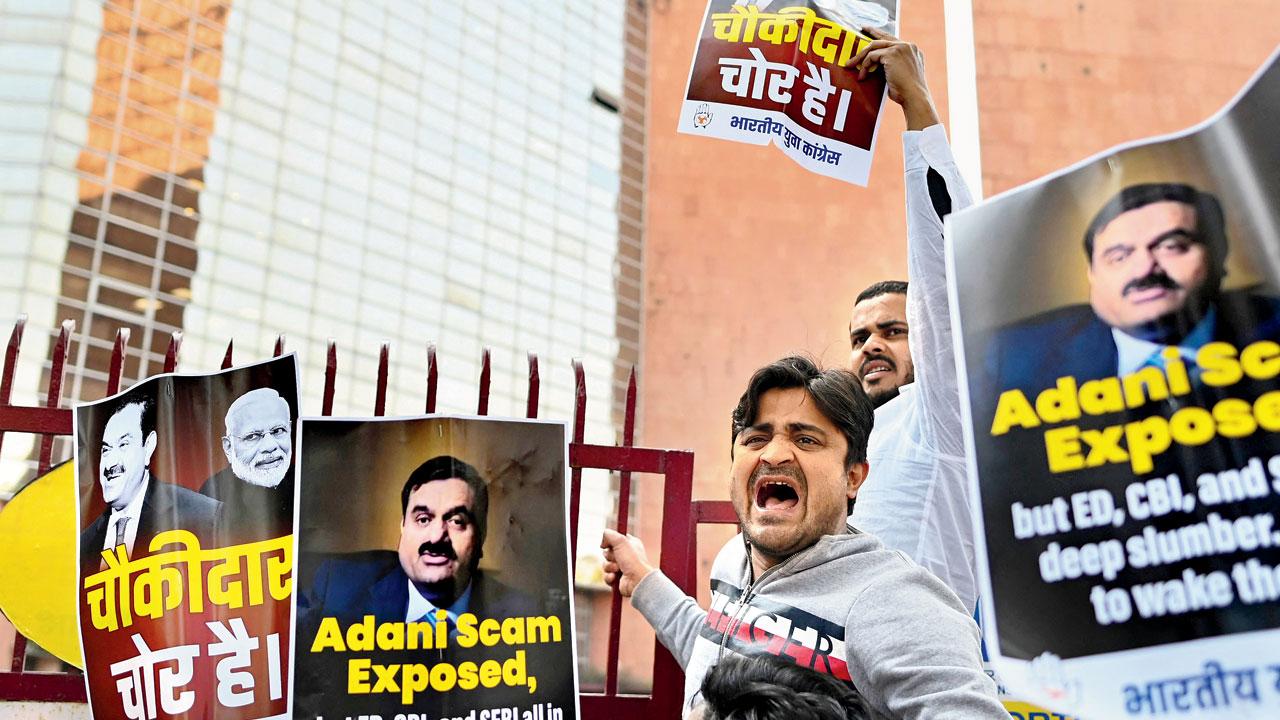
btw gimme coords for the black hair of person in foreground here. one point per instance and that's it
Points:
(762, 687)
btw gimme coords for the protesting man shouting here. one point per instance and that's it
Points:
(801, 584)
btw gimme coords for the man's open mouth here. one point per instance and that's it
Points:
(428, 558)
(776, 494)
(873, 368)
(270, 463)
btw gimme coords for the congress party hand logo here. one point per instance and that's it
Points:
(702, 118)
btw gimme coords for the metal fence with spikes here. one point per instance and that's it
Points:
(680, 514)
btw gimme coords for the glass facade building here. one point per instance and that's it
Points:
(369, 172)
(458, 173)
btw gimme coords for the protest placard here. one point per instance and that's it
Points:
(186, 545)
(433, 570)
(767, 72)
(1119, 326)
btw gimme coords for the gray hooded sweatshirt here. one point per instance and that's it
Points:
(845, 606)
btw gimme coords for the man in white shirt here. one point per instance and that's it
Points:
(139, 505)
(915, 498)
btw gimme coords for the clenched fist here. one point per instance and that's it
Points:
(625, 562)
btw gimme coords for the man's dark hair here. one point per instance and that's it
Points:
(1211, 228)
(763, 687)
(884, 287)
(148, 414)
(837, 393)
(447, 467)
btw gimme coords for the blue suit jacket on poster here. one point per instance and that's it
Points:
(1032, 355)
(165, 507)
(348, 587)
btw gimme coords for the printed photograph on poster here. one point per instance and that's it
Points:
(1120, 332)
(185, 496)
(773, 72)
(434, 551)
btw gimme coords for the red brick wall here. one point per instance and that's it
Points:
(747, 256)
(1059, 80)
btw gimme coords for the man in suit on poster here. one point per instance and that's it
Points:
(1156, 257)
(256, 488)
(444, 506)
(139, 505)
(444, 509)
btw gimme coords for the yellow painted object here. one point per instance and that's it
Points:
(38, 563)
(1019, 710)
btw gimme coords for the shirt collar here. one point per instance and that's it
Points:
(1132, 353)
(903, 391)
(420, 606)
(132, 511)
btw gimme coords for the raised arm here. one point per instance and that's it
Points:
(934, 189)
(916, 497)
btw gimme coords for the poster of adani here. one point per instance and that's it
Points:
(186, 544)
(773, 72)
(433, 570)
(1120, 333)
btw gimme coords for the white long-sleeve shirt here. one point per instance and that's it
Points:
(916, 496)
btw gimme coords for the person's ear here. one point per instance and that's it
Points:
(149, 447)
(226, 447)
(856, 475)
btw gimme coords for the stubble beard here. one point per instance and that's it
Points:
(792, 540)
(879, 397)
